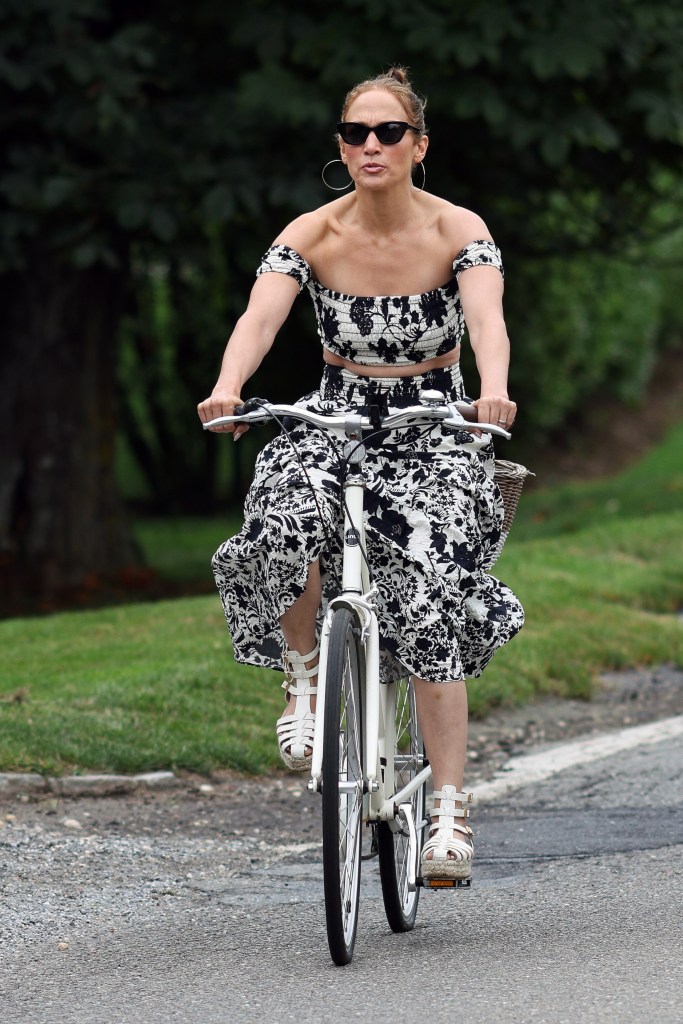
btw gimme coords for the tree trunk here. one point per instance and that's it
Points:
(63, 526)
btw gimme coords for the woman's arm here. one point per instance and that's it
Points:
(271, 299)
(270, 302)
(481, 292)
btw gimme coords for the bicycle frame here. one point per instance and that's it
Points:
(358, 595)
(380, 803)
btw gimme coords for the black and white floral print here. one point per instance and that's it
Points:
(396, 329)
(433, 520)
(281, 259)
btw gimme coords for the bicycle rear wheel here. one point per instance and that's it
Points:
(400, 903)
(342, 785)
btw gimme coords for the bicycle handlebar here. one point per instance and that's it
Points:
(450, 414)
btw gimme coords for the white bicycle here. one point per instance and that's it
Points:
(369, 762)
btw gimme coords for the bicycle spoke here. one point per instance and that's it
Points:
(349, 771)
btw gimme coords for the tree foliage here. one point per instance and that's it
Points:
(153, 120)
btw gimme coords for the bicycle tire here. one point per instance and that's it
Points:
(400, 904)
(342, 809)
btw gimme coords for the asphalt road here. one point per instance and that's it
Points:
(574, 915)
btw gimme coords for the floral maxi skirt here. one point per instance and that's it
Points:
(433, 517)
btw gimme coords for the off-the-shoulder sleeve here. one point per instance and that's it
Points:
(283, 260)
(477, 254)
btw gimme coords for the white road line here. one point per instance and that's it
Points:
(285, 849)
(530, 768)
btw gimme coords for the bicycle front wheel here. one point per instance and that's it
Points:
(400, 903)
(342, 785)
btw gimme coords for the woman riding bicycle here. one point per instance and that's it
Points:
(395, 274)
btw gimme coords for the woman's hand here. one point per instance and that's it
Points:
(496, 409)
(222, 402)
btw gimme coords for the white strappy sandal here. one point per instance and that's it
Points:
(295, 731)
(442, 843)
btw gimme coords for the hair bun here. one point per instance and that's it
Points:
(400, 74)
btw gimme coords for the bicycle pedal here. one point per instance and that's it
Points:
(445, 883)
(374, 847)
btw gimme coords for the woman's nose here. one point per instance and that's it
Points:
(372, 143)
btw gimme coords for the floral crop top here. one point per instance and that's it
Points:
(395, 329)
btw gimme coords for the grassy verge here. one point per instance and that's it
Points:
(148, 686)
(132, 688)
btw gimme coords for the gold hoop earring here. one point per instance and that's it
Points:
(335, 188)
(421, 164)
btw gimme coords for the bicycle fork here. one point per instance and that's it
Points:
(358, 595)
(362, 606)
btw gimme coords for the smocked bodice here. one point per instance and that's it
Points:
(386, 329)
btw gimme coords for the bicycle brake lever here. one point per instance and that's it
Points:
(255, 415)
(470, 427)
(465, 412)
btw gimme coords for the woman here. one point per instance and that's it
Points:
(375, 262)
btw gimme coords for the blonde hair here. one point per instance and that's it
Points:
(395, 81)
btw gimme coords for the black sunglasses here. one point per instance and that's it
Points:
(388, 132)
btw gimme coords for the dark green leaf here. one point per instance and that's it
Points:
(162, 223)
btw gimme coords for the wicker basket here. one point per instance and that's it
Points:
(510, 477)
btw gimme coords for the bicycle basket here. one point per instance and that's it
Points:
(510, 477)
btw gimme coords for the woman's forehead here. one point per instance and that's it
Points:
(374, 106)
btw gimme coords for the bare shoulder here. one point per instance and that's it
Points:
(461, 226)
(307, 231)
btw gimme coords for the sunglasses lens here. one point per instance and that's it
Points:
(353, 134)
(390, 132)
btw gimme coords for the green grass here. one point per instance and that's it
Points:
(132, 688)
(604, 598)
(598, 567)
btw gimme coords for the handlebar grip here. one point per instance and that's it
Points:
(468, 411)
(250, 405)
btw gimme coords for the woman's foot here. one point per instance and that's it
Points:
(449, 850)
(296, 727)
